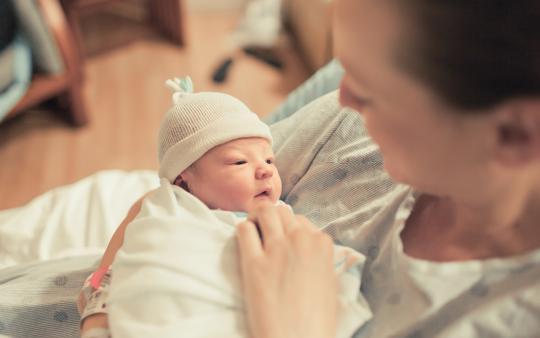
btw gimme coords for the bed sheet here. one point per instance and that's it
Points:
(77, 219)
(49, 246)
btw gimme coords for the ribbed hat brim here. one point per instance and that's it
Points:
(185, 152)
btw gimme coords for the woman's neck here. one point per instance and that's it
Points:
(442, 229)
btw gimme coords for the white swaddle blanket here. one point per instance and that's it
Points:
(177, 274)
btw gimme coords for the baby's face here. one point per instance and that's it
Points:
(236, 175)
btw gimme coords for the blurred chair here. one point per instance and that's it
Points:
(165, 15)
(63, 83)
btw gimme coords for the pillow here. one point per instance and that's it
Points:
(45, 52)
(16, 70)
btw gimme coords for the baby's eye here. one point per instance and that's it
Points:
(240, 162)
(270, 161)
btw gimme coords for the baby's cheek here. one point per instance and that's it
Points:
(278, 186)
(239, 196)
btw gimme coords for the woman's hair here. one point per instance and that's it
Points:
(473, 53)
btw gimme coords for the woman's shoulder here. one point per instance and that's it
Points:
(375, 220)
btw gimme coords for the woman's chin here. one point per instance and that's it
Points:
(419, 183)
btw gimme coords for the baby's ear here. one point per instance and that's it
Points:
(179, 181)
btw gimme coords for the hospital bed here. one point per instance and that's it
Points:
(49, 246)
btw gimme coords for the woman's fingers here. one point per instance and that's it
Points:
(248, 239)
(288, 219)
(275, 222)
(289, 283)
(281, 231)
(302, 220)
(268, 219)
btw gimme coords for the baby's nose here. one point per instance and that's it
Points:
(264, 172)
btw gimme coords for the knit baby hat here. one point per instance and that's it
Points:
(198, 122)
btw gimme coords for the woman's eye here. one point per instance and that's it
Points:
(359, 101)
(240, 162)
(347, 98)
(362, 101)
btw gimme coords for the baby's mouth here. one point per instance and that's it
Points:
(264, 193)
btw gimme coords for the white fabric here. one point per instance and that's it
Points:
(177, 274)
(76, 219)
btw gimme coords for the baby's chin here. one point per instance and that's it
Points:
(260, 201)
(246, 207)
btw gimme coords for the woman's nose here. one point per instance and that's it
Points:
(263, 172)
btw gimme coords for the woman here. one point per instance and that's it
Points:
(450, 91)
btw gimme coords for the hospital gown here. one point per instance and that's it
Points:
(422, 299)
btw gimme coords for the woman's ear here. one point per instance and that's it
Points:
(518, 132)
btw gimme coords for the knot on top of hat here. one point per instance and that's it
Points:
(180, 87)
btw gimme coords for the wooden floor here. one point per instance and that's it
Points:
(126, 98)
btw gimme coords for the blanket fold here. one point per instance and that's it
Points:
(177, 273)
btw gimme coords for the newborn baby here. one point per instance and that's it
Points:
(176, 272)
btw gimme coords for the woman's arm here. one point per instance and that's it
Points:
(99, 320)
(288, 278)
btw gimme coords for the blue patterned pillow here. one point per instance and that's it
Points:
(16, 73)
(45, 52)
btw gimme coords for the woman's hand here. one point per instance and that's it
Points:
(288, 279)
